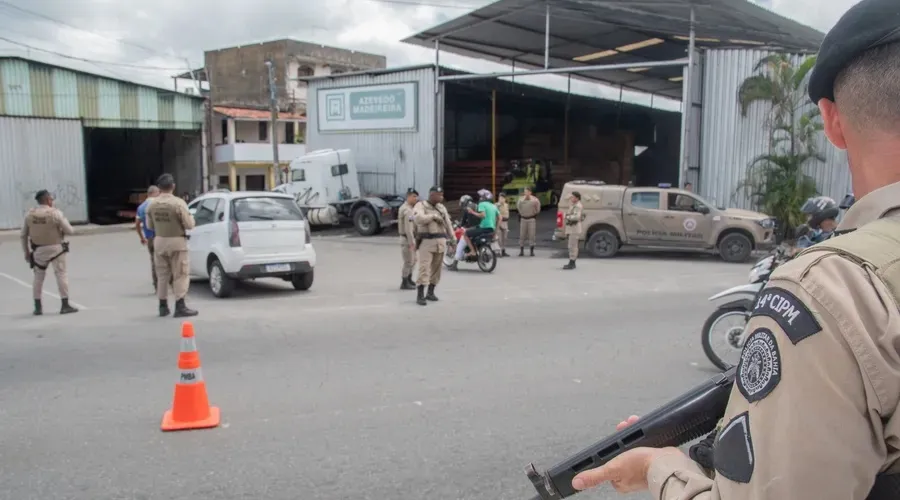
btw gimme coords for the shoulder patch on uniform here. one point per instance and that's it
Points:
(759, 370)
(791, 314)
(733, 456)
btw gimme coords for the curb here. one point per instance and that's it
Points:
(88, 230)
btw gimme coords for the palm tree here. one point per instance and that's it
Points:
(775, 180)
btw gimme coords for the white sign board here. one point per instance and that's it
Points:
(368, 107)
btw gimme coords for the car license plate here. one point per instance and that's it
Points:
(278, 268)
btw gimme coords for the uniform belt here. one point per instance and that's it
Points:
(527, 218)
(504, 219)
(431, 236)
(33, 263)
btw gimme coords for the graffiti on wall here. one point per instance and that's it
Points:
(66, 195)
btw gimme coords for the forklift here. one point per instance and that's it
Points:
(535, 174)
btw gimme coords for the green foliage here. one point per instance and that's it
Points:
(775, 181)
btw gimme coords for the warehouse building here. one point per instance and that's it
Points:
(462, 130)
(95, 142)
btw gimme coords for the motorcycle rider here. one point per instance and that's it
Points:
(821, 212)
(469, 222)
(488, 215)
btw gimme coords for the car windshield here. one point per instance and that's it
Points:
(265, 208)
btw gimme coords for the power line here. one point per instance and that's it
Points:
(63, 23)
(87, 60)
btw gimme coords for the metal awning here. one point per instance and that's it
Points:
(622, 33)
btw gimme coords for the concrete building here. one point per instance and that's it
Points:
(94, 141)
(238, 83)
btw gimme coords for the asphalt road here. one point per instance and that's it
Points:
(347, 391)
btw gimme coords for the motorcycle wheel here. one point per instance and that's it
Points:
(449, 256)
(730, 354)
(487, 259)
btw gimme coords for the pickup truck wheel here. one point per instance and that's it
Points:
(554, 199)
(603, 243)
(735, 247)
(219, 284)
(365, 221)
(302, 281)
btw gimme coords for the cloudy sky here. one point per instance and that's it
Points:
(149, 40)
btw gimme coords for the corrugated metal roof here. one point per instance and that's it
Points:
(39, 90)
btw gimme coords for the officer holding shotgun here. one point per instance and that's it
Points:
(43, 241)
(815, 408)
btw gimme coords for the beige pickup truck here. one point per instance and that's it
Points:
(662, 217)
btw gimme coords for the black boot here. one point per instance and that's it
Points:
(454, 266)
(38, 308)
(532, 251)
(181, 310)
(503, 253)
(521, 251)
(570, 265)
(66, 308)
(164, 308)
(420, 296)
(407, 283)
(431, 296)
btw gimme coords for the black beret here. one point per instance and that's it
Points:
(868, 24)
(411, 191)
(40, 194)
(436, 189)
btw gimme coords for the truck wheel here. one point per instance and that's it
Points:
(365, 221)
(554, 199)
(219, 284)
(603, 243)
(735, 247)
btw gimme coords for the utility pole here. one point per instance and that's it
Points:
(273, 106)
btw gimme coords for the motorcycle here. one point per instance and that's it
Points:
(733, 308)
(485, 255)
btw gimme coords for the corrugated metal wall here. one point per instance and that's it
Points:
(392, 161)
(38, 90)
(40, 154)
(730, 141)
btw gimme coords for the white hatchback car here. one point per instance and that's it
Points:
(247, 235)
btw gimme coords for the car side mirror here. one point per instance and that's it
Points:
(703, 209)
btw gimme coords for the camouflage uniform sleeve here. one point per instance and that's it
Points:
(64, 226)
(23, 235)
(815, 392)
(187, 220)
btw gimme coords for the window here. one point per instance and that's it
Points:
(206, 211)
(304, 71)
(298, 175)
(224, 182)
(263, 131)
(647, 200)
(341, 169)
(289, 133)
(224, 131)
(255, 182)
(265, 208)
(682, 203)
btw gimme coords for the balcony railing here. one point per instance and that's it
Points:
(257, 152)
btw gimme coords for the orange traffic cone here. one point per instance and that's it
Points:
(191, 409)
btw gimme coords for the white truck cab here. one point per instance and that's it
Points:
(325, 183)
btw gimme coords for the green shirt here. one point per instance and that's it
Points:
(490, 215)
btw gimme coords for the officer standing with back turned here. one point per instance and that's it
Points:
(573, 218)
(815, 408)
(46, 227)
(168, 217)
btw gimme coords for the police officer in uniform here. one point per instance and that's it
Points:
(815, 410)
(46, 227)
(573, 218)
(433, 229)
(502, 228)
(406, 226)
(528, 207)
(168, 217)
